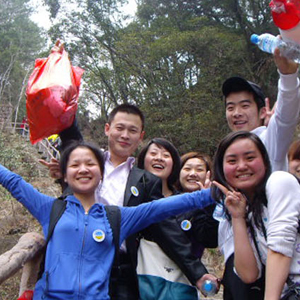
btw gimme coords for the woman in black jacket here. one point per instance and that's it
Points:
(162, 159)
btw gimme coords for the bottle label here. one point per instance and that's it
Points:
(267, 45)
(219, 212)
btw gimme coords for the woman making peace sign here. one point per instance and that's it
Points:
(268, 203)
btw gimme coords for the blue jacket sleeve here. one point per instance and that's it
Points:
(38, 204)
(134, 219)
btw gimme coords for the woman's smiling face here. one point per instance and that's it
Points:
(83, 172)
(158, 161)
(193, 171)
(243, 166)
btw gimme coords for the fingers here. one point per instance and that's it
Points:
(200, 185)
(53, 163)
(274, 107)
(284, 65)
(210, 277)
(267, 104)
(207, 182)
(43, 162)
(221, 187)
(53, 166)
(58, 47)
(207, 175)
(233, 196)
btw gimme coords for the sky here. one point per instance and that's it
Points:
(41, 17)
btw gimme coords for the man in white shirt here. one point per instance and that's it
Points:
(245, 110)
(126, 185)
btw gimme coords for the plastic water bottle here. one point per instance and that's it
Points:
(209, 288)
(268, 42)
(219, 212)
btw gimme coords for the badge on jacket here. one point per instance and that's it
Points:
(98, 235)
(186, 225)
(134, 191)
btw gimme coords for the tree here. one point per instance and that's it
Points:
(171, 61)
(20, 42)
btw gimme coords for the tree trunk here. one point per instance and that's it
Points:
(26, 249)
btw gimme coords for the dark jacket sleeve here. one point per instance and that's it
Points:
(205, 227)
(173, 241)
(70, 134)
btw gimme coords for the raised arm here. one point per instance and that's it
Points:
(38, 204)
(143, 215)
(282, 125)
(67, 135)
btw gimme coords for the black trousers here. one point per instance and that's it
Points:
(236, 289)
(123, 281)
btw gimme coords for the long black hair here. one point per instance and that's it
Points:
(163, 143)
(260, 199)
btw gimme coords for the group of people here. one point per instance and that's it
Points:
(245, 203)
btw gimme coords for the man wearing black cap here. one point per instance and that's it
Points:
(245, 104)
(245, 110)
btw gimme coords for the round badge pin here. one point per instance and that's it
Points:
(186, 225)
(134, 191)
(98, 235)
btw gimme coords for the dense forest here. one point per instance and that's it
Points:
(170, 59)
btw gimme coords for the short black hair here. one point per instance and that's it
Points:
(129, 109)
(65, 155)
(239, 84)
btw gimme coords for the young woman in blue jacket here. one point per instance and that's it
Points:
(80, 253)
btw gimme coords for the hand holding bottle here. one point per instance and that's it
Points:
(208, 285)
(284, 65)
(268, 43)
(209, 288)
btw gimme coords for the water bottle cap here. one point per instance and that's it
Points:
(254, 39)
(208, 286)
(288, 16)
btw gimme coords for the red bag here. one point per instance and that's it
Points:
(52, 93)
(27, 295)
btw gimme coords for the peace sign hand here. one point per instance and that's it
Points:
(235, 202)
(269, 111)
(207, 182)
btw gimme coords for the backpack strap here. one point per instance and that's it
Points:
(113, 214)
(58, 208)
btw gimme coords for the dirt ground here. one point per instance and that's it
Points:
(213, 261)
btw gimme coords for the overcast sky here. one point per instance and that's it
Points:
(41, 17)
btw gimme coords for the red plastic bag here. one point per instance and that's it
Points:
(52, 93)
(27, 295)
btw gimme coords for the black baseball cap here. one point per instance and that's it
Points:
(239, 84)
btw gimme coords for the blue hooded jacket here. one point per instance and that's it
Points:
(80, 253)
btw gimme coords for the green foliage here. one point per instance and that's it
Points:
(17, 157)
(20, 42)
(171, 61)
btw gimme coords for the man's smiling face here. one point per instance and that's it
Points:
(242, 112)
